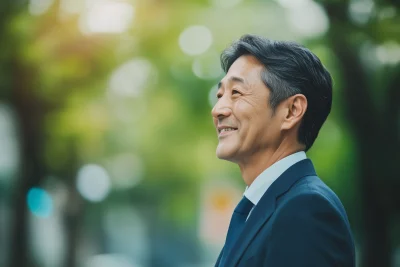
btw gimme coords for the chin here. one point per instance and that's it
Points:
(225, 154)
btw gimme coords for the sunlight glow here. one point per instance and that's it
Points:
(127, 232)
(361, 11)
(308, 19)
(48, 239)
(131, 78)
(195, 40)
(207, 66)
(39, 7)
(107, 16)
(93, 182)
(292, 3)
(212, 96)
(71, 6)
(110, 260)
(39, 202)
(387, 13)
(126, 170)
(9, 156)
(388, 53)
(226, 3)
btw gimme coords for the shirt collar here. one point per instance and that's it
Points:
(260, 185)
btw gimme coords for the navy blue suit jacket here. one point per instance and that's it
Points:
(299, 222)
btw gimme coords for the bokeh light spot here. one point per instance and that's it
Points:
(131, 78)
(308, 19)
(292, 3)
(207, 66)
(93, 182)
(40, 202)
(226, 3)
(361, 11)
(39, 7)
(9, 156)
(388, 53)
(212, 96)
(222, 201)
(68, 7)
(126, 170)
(106, 16)
(110, 260)
(195, 40)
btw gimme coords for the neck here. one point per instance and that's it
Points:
(259, 162)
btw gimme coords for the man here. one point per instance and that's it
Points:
(272, 102)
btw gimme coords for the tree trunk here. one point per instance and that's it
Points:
(74, 209)
(72, 225)
(376, 250)
(30, 124)
(374, 142)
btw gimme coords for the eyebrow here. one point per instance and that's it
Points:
(233, 79)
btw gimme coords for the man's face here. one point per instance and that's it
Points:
(245, 123)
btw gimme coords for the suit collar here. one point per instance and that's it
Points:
(261, 184)
(266, 206)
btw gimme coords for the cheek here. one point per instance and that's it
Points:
(253, 115)
(250, 121)
(256, 124)
(245, 112)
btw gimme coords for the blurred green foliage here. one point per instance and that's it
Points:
(58, 78)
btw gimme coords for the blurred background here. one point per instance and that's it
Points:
(107, 148)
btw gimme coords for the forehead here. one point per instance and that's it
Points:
(246, 67)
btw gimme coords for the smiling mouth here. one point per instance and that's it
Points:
(226, 131)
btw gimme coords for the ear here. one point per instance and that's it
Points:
(296, 107)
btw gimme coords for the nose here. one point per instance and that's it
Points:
(223, 108)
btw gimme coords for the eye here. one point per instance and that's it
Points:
(234, 92)
(219, 96)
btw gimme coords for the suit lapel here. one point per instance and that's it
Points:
(266, 206)
(219, 257)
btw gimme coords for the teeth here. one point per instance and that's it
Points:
(227, 129)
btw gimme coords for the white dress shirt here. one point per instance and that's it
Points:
(260, 185)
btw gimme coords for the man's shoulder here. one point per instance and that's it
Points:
(311, 185)
(311, 190)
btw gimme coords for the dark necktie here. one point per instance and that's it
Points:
(236, 225)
